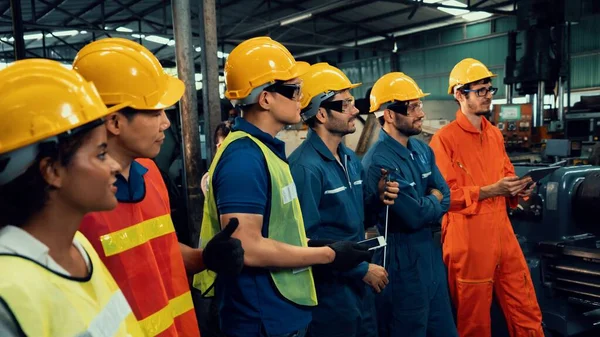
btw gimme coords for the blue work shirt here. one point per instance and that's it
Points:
(414, 168)
(332, 200)
(330, 193)
(133, 189)
(241, 183)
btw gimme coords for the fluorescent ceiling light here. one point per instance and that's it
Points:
(138, 36)
(198, 49)
(171, 43)
(474, 16)
(83, 32)
(63, 33)
(295, 19)
(158, 39)
(31, 36)
(124, 29)
(453, 11)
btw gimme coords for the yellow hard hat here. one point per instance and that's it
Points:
(258, 61)
(125, 72)
(41, 99)
(468, 71)
(320, 83)
(394, 86)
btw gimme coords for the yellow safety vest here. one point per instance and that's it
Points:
(285, 225)
(46, 304)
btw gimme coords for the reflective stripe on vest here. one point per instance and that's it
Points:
(48, 304)
(138, 243)
(285, 225)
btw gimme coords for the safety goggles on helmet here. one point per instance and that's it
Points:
(482, 92)
(289, 91)
(344, 106)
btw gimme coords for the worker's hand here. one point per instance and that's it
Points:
(348, 255)
(376, 277)
(510, 186)
(437, 194)
(224, 254)
(526, 192)
(388, 190)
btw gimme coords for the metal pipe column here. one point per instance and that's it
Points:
(192, 159)
(17, 23)
(509, 93)
(211, 101)
(538, 116)
(561, 101)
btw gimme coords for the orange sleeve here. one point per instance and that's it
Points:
(463, 199)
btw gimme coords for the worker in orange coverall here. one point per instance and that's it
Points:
(479, 246)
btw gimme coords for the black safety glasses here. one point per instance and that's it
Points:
(289, 91)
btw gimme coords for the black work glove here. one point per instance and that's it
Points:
(224, 254)
(320, 242)
(348, 255)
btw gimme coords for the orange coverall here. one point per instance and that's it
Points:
(480, 248)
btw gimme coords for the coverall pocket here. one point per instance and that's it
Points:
(474, 300)
(408, 290)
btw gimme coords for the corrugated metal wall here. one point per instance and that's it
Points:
(428, 57)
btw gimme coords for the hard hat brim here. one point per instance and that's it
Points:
(174, 92)
(298, 70)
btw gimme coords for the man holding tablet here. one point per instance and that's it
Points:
(329, 180)
(480, 248)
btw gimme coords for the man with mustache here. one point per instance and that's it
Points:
(416, 302)
(480, 248)
(329, 180)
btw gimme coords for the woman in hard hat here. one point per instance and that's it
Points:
(480, 248)
(54, 168)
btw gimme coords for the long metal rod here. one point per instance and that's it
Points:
(17, 23)
(538, 116)
(561, 99)
(189, 116)
(211, 102)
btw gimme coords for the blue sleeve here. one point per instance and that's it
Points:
(309, 188)
(416, 211)
(241, 179)
(357, 273)
(437, 181)
(371, 201)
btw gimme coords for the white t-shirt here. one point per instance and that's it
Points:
(14, 240)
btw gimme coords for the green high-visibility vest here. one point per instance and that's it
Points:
(285, 225)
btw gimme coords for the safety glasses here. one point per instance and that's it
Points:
(482, 92)
(406, 109)
(289, 91)
(345, 106)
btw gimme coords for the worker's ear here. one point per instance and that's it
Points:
(388, 116)
(264, 100)
(321, 115)
(114, 123)
(459, 96)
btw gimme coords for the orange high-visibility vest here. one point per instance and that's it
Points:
(138, 244)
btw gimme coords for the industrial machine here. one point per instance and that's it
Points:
(558, 230)
(514, 121)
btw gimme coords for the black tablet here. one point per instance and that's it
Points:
(539, 173)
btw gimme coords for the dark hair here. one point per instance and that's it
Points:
(468, 86)
(222, 130)
(27, 195)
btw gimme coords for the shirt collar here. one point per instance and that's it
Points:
(17, 241)
(276, 145)
(466, 125)
(317, 143)
(134, 189)
(399, 149)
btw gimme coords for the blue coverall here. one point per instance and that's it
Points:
(331, 197)
(416, 302)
